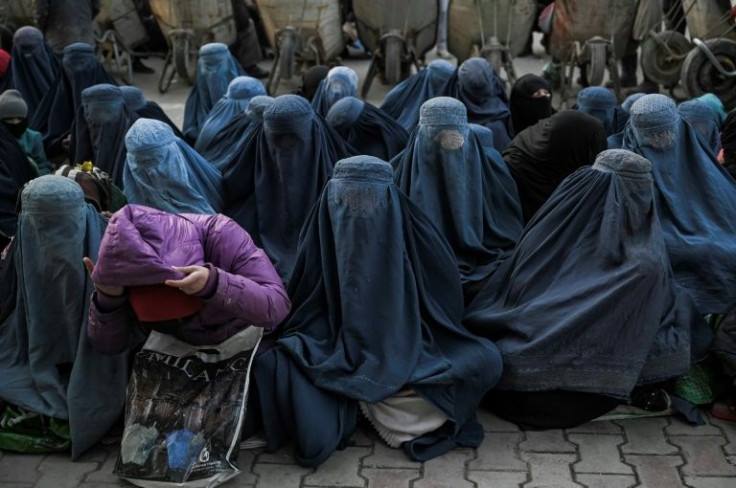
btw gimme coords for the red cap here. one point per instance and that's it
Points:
(158, 303)
(4, 62)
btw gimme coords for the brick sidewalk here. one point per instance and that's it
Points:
(652, 453)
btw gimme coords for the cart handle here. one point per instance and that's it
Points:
(711, 57)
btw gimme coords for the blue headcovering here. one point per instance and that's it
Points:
(704, 120)
(341, 82)
(216, 68)
(630, 101)
(133, 98)
(587, 301)
(34, 66)
(280, 174)
(241, 90)
(696, 202)
(47, 364)
(164, 172)
(470, 197)
(367, 129)
(476, 85)
(485, 136)
(99, 130)
(600, 103)
(405, 99)
(716, 105)
(376, 306)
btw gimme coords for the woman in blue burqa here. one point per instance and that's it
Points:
(601, 103)
(340, 82)
(47, 364)
(695, 198)
(471, 198)
(239, 93)
(368, 129)
(375, 327)
(99, 130)
(704, 120)
(34, 66)
(55, 114)
(165, 173)
(476, 85)
(405, 99)
(233, 140)
(586, 307)
(216, 68)
(147, 109)
(280, 176)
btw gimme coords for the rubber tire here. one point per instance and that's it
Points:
(392, 60)
(597, 68)
(182, 61)
(699, 77)
(653, 63)
(287, 49)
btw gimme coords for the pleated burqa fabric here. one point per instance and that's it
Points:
(376, 309)
(340, 82)
(35, 68)
(696, 202)
(47, 363)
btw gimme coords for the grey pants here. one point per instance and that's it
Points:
(442, 26)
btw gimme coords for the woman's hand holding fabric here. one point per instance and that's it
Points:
(194, 282)
(109, 290)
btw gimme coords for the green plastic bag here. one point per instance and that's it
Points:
(32, 433)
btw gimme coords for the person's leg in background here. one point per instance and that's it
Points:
(442, 30)
(246, 48)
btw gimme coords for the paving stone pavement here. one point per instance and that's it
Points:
(649, 453)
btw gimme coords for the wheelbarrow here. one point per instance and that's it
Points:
(398, 34)
(119, 30)
(303, 33)
(497, 30)
(187, 25)
(14, 14)
(591, 35)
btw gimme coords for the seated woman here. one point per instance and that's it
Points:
(163, 172)
(695, 198)
(587, 306)
(367, 129)
(530, 101)
(704, 121)
(543, 155)
(136, 102)
(239, 94)
(601, 103)
(47, 364)
(215, 281)
(405, 99)
(14, 116)
(340, 82)
(471, 198)
(476, 85)
(375, 326)
(35, 68)
(100, 127)
(216, 68)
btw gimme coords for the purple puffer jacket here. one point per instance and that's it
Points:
(140, 247)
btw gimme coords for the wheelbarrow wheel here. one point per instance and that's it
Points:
(287, 51)
(598, 61)
(662, 55)
(392, 60)
(186, 66)
(700, 76)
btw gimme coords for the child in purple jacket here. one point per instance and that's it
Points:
(198, 277)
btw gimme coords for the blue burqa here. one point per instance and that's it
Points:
(405, 99)
(229, 143)
(15, 171)
(341, 82)
(587, 302)
(471, 198)
(367, 129)
(165, 173)
(47, 364)
(35, 67)
(476, 85)
(630, 100)
(55, 114)
(704, 120)
(280, 175)
(601, 103)
(100, 128)
(137, 103)
(695, 199)
(216, 68)
(376, 308)
(239, 93)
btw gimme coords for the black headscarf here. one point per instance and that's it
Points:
(526, 110)
(15, 171)
(543, 155)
